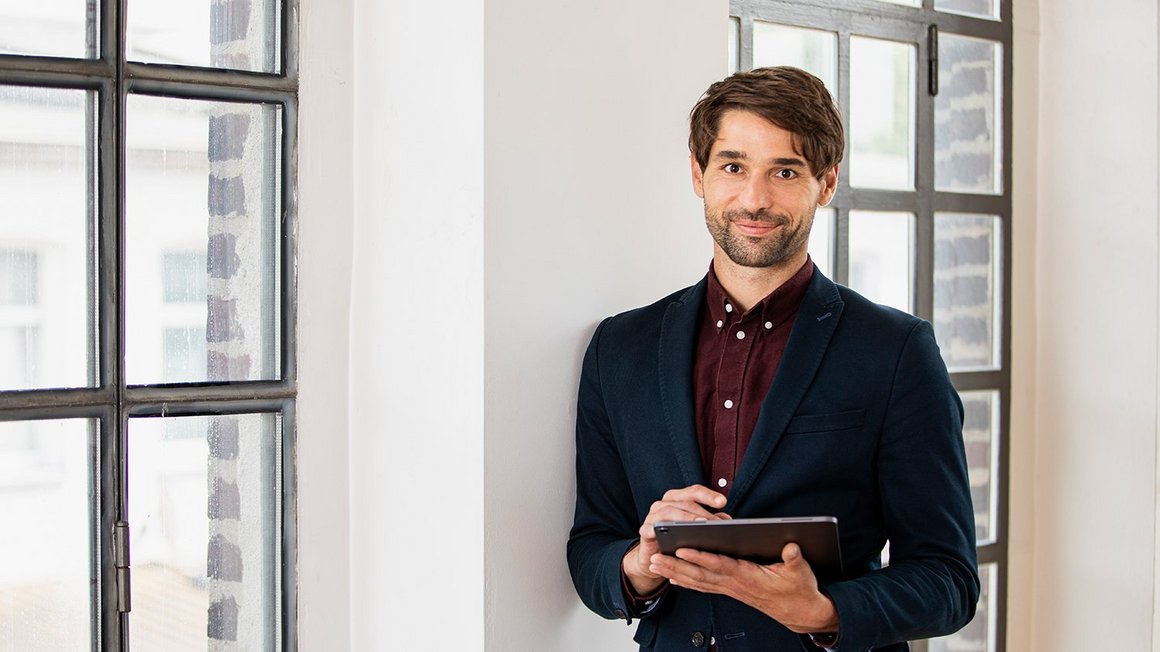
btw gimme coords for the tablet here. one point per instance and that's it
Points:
(759, 539)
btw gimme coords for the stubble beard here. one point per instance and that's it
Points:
(746, 251)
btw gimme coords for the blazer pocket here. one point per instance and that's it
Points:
(807, 423)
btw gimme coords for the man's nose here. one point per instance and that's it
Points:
(757, 194)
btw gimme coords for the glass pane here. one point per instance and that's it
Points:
(51, 28)
(980, 8)
(812, 50)
(204, 516)
(202, 192)
(822, 241)
(979, 634)
(980, 436)
(46, 582)
(967, 255)
(234, 34)
(882, 105)
(881, 257)
(968, 154)
(46, 309)
(734, 44)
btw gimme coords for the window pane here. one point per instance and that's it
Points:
(979, 634)
(45, 584)
(46, 312)
(734, 45)
(204, 515)
(980, 8)
(202, 191)
(882, 105)
(881, 257)
(51, 28)
(967, 116)
(812, 50)
(183, 277)
(967, 255)
(234, 34)
(822, 241)
(980, 432)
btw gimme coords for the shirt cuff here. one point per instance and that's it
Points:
(641, 605)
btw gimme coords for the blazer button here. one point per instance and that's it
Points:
(698, 639)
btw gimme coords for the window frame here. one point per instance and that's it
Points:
(881, 19)
(110, 402)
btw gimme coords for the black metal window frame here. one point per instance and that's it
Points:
(880, 19)
(111, 402)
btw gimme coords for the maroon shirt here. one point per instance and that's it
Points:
(737, 357)
(731, 376)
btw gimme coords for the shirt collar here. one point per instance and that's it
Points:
(775, 308)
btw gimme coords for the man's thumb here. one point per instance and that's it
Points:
(791, 553)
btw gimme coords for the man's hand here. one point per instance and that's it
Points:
(692, 503)
(786, 591)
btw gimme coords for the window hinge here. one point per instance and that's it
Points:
(121, 564)
(932, 57)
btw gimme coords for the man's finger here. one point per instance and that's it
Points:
(698, 493)
(680, 512)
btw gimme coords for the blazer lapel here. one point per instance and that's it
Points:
(678, 341)
(817, 318)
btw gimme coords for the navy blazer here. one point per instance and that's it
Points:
(861, 422)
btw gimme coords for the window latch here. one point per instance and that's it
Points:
(121, 564)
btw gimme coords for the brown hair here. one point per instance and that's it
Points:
(790, 98)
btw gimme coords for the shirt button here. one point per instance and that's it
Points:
(740, 335)
(712, 640)
(720, 323)
(698, 639)
(728, 307)
(722, 482)
(728, 403)
(768, 325)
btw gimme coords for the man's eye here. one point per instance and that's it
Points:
(732, 168)
(786, 174)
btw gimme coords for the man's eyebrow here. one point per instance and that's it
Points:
(734, 155)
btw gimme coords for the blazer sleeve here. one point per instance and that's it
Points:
(605, 524)
(931, 585)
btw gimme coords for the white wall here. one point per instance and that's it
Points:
(326, 209)
(416, 339)
(1095, 274)
(1024, 324)
(589, 211)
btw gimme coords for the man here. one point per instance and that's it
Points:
(767, 390)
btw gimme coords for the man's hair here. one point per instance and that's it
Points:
(790, 98)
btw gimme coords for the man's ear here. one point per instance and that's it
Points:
(698, 176)
(829, 186)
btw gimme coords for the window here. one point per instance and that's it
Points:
(922, 217)
(147, 324)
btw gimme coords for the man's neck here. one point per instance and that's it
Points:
(749, 285)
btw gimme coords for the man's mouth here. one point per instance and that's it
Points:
(754, 229)
(756, 224)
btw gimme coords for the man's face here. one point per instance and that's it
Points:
(759, 193)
